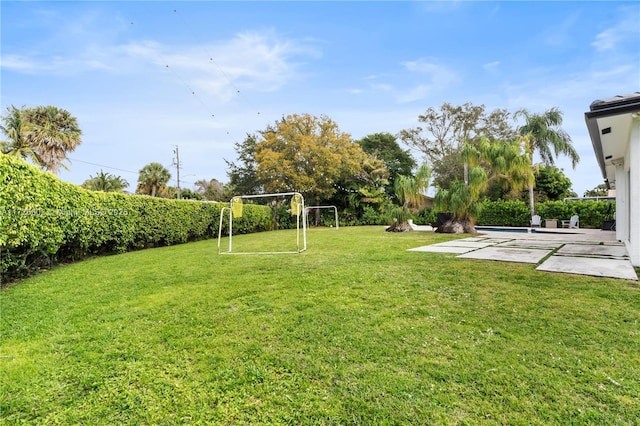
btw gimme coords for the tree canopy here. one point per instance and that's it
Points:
(243, 179)
(505, 163)
(444, 132)
(105, 182)
(599, 190)
(397, 160)
(14, 127)
(410, 192)
(546, 137)
(211, 190)
(43, 135)
(153, 179)
(552, 184)
(366, 189)
(307, 154)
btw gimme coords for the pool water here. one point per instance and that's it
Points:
(520, 230)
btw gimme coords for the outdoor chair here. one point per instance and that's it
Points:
(536, 220)
(574, 222)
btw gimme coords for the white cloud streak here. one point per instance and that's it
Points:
(626, 28)
(258, 61)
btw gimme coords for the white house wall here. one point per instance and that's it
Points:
(622, 201)
(633, 193)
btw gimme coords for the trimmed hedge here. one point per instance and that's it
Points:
(592, 213)
(45, 221)
(516, 213)
(504, 213)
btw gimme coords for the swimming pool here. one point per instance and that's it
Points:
(520, 230)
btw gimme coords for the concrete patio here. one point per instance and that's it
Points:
(574, 251)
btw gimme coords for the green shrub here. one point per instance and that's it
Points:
(371, 216)
(44, 220)
(504, 213)
(553, 210)
(516, 213)
(426, 216)
(592, 213)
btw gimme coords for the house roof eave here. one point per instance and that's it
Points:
(601, 109)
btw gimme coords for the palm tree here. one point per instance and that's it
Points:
(460, 201)
(506, 163)
(410, 193)
(153, 178)
(547, 138)
(105, 182)
(17, 145)
(51, 132)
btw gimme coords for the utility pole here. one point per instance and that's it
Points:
(177, 164)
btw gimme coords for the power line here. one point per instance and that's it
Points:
(175, 11)
(115, 168)
(167, 66)
(212, 61)
(193, 92)
(101, 165)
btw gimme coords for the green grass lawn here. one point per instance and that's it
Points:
(356, 330)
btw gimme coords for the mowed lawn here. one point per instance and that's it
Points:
(356, 330)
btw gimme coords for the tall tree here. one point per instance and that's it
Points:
(504, 163)
(410, 191)
(52, 132)
(211, 190)
(13, 126)
(397, 160)
(366, 189)
(552, 184)
(547, 138)
(445, 131)
(307, 154)
(243, 179)
(105, 182)
(448, 169)
(153, 179)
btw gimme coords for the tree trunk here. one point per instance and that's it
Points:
(532, 206)
(399, 227)
(457, 226)
(466, 174)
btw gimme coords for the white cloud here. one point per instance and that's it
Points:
(626, 28)
(414, 94)
(18, 63)
(491, 67)
(250, 60)
(437, 74)
(383, 87)
(418, 79)
(432, 77)
(606, 40)
(258, 61)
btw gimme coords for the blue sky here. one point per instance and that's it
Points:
(143, 77)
